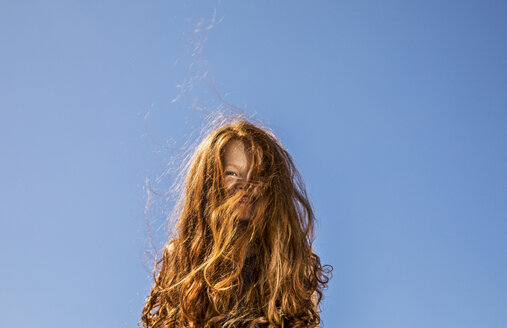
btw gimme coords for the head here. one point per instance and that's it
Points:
(241, 190)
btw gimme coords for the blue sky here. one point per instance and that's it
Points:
(395, 113)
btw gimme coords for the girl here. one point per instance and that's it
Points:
(241, 252)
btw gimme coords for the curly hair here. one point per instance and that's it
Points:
(197, 281)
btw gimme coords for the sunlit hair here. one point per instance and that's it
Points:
(198, 278)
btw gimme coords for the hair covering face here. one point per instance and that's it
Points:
(224, 212)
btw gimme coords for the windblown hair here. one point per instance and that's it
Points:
(198, 278)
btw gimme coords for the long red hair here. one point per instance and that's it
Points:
(197, 281)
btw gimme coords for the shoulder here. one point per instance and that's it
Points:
(315, 301)
(315, 296)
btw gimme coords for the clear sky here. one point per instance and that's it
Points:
(395, 113)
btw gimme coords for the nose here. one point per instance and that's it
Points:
(241, 183)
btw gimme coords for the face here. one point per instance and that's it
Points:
(237, 165)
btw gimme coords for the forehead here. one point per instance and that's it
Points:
(235, 153)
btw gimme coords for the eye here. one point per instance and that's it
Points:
(230, 173)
